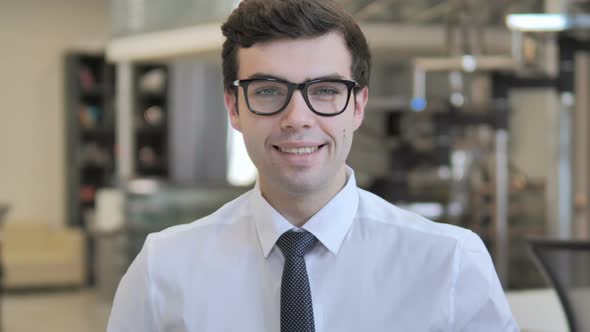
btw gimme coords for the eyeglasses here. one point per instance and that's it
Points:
(268, 96)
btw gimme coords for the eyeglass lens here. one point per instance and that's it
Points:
(324, 97)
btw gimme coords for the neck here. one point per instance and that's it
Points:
(299, 207)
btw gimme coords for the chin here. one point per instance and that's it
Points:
(295, 183)
(308, 185)
(299, 187)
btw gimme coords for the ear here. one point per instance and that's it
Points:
(360, 100)
(231, 104)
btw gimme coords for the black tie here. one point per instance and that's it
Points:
(296, 305)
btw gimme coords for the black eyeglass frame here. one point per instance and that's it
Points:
(291, 87)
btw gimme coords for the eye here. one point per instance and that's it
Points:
(267, 92)
(266, 89)
(325, 91)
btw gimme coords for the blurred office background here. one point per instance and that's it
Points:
(112, 126)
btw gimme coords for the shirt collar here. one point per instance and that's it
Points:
(329, 225)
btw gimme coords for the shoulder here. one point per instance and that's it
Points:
(375, 211)
(230, 215)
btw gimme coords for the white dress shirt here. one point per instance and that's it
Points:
(376, 268)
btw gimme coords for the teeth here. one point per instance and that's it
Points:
(305, 150)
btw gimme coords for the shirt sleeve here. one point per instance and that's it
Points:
(132, 307)
(479, 300)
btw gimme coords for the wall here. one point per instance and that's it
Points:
(532, 130)
(34, 36)
(198, 124)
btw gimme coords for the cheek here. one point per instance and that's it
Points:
(340, 133)
(347, 137)
(347, 130)
(257, 132)
(254, 148)
(344, 141)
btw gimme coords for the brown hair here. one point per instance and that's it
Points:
(256, 21)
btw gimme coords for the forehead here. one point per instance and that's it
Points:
(297, 60)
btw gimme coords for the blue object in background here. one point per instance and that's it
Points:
(418, 104)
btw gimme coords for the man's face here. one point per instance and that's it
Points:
(272, 141)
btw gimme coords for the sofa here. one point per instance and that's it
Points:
(39, 255)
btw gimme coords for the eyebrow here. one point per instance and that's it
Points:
(324, 77)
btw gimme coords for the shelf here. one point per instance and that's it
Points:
(97, 133)
(152, 170)
(90, 134)
(87, 204)
(153, 98)
(151, 131)
(89, 165)
(95, 92)
(92, 98)
(91, 126)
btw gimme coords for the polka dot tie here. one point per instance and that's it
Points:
(296, 305)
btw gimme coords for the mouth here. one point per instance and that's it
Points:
(300, 151)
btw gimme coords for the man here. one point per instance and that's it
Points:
(306, 250)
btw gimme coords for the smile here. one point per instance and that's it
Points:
(299, 150)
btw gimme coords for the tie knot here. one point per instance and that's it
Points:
(296, 243)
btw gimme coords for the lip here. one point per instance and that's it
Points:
(299, 159)
(298, 144)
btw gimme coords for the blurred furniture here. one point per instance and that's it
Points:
(90, 131)
(42, 255)
(537, 310)
(110, 262)
(566, 263)
(151, 120)
(4, 208)
(91, 143)
(109, 244)
(3, 211)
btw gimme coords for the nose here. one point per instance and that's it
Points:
(297, 114)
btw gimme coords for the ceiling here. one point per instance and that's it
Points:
(440, 11)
